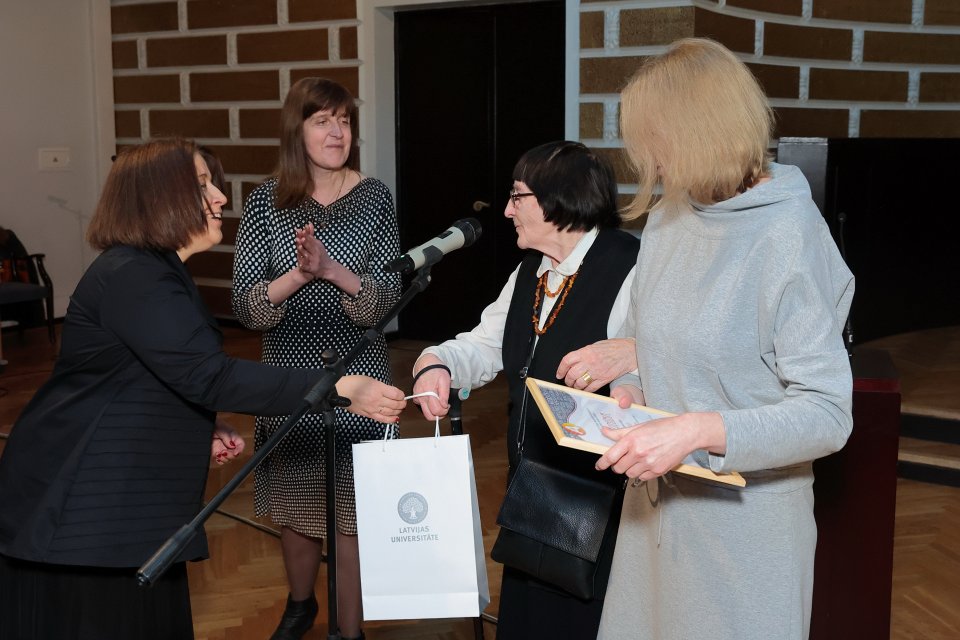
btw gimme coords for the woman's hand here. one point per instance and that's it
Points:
(436, 380)
(371, 398)
(649, 450)
(312, 256)
(598, 364)
(313, 262)
(627, 394)
(227, 443)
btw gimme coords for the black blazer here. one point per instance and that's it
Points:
(111, 455)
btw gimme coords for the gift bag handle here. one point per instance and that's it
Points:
(436, 431)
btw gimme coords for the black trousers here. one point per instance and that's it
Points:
(532, 610)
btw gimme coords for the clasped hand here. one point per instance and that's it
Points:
(227, 443)
(313, 260)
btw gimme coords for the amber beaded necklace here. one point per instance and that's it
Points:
(546, 288)
(565, 287)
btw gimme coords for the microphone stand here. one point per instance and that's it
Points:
(457, 396)
(848, 326)
(323, 396)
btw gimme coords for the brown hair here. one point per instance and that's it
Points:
(151, 199)
(217, 176)
(306, 97)
(696, 124)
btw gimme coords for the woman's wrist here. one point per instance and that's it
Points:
(711, 434)
(342, 278)
(430, 367)
(279, 290)
(301, 277)
(424, 360)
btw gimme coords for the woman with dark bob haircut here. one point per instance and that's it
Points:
(110, 457)
(579, 191)
(574, 282)
(323, 291)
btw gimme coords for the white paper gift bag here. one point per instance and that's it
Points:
(418, 522)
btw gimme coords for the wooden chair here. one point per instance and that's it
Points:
(24, 280)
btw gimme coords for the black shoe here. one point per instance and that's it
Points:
(297, 619)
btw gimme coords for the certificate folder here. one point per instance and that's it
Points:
(575, 418)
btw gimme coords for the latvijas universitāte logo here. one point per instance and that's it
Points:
(412, 508)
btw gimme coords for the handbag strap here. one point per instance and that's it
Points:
(522, 427)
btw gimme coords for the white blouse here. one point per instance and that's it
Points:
(475, 357)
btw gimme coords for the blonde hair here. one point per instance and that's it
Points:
(695, 123)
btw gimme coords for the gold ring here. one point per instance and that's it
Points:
(586, 377)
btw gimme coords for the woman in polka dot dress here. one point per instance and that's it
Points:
(309, 272)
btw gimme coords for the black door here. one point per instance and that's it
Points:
(476, 87)
(899, 231)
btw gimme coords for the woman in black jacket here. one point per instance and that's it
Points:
(111, 455)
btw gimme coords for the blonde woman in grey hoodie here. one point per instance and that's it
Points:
(737, 311)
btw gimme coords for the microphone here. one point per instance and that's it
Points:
(461, 233)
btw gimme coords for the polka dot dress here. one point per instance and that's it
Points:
(359, 231)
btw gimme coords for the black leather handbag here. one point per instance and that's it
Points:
(559, 528)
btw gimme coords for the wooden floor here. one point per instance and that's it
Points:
(239, 593)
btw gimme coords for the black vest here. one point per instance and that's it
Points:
(582, 321)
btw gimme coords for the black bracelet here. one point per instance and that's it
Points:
(427, 368)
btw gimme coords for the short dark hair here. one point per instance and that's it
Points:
(306, 97)
(151, 198)
(575, 187)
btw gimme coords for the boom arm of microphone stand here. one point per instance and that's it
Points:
(161, 560)
(420, 282)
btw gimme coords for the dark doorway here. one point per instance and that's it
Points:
(476, 87)
(888, 199)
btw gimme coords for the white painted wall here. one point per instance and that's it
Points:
(55, 91)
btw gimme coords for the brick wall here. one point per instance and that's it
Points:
(217, 71)
(832, 68)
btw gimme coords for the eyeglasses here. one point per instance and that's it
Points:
(516, 195)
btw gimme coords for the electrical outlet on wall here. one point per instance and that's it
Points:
(54, 158)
